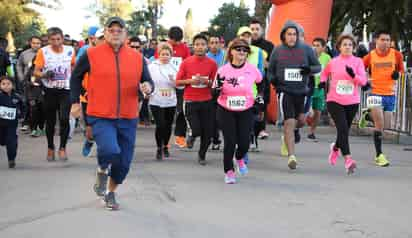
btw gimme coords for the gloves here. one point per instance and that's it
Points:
(259, 100)
(49, 74)
(349, 70)
(305, 70)
(220, 81)
(395, 75)
(367, 86)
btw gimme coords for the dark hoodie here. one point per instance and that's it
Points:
(292, 58)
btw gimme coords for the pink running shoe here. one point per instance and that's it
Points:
(230, 177)
(350, 165)
(333, 154)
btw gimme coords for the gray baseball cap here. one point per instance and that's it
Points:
(117, 20)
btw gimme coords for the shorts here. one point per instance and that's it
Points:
(318, 100)
(291, 106)
(388, 102)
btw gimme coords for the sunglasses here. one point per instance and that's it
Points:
(135, 47)
(241, 49)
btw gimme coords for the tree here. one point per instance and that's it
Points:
(17, 19)
(105, 9)
(155, 8)
(229, 20)
(262, 8)
(188, 28)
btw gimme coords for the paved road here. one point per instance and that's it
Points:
(179, 198)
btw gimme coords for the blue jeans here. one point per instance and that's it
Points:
(115, 140)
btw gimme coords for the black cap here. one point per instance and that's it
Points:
(117, 20)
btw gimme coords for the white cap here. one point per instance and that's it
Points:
(99, 33)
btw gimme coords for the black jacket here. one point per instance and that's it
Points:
(7, 102)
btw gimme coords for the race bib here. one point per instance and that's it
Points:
(200, 85)
(293, 75)
(165, 92)
(374, 101)
(236, 102)
(344, 87)
(176, 61)
(7, 113)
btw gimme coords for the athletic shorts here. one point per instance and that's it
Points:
(318, 100)
(388, 102)
(291, 106)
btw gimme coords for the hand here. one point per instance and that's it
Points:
(220, 81)
(349, 70)
(204, 80)
(367, 86)
(305, 70)
(195, 80)
(259, 100)
(75, 110)
(146, 88)
(49, 74)
(395, 75)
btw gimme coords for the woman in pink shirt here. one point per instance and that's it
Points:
(234, 83)
(345, 75)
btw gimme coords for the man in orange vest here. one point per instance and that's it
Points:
(385, 66)
(115, 73)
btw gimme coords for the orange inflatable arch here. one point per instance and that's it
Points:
(312, 15)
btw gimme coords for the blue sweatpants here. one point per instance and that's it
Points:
(8, 138)
(115, 139)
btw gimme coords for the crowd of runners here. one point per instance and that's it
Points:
(213, 91)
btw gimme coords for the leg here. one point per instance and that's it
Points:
(243, 128)
(169, 116)
(158, 116)
(338, 114)
(11, 142)
(51, 105)
(126, 137)
(181, 126)
(378, 120)
(64, 117)
(206, 125)
(227, 122)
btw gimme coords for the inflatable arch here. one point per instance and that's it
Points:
(313, 15)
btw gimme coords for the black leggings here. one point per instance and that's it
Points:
(343, 117)
(37, 114)
(164, 119)
(201, 119)
(236, 128)
(181, 125)
(57, 100)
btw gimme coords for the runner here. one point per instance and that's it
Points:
(386, 66)
(318, 97)
(259, 41)
(290, 66)
(53, 65)
(163, 100)
(234, 83)
(180, 53)
(218, 55)
(11, 109)
(196, 73)
(345, 75)
(24, 69)
(112, 104)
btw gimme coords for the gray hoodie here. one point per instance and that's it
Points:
(24, 63)
(286, 63)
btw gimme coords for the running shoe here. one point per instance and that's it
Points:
(246, 158)
(202, 161)
(283, 148)
(25, 128)
(166, 152)
(381, 161)
(215, 146)
(333, 154)
(241, 166)
(263, 135)
(110, 200)
(63, 155)
(87, 148)
(350, 165)
(12, 164)
(159, 155)
(33, 133)
(292, 163)
(180, 141)
(230, 177)
(50, 155)
(101, 183)
(190, 142)
(312, 138)
(362, 121)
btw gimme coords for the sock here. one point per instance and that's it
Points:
(377, 139)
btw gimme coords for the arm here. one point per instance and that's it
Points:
(272, 69)
(20, 68)
(146, 78)
(39, 65)
(360, 76)
(82, 67)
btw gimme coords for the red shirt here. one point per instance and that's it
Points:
(204, 66)
(179, 50)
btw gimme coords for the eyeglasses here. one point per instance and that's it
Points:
(241, 49)
(112, 31)
(135, 47)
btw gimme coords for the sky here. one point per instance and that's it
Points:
(75, 15)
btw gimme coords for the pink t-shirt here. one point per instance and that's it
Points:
(237, 89)
(344, 89)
